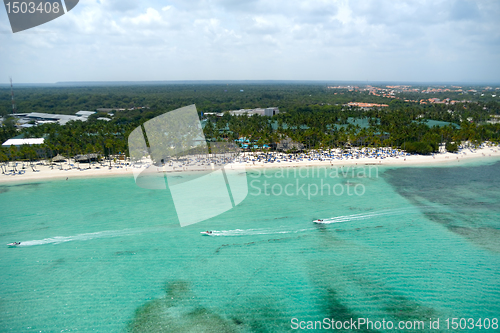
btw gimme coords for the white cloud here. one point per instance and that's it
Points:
(232, 39)
(151, 15)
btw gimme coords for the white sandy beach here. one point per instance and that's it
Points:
(45, 171)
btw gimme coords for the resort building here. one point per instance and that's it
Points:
(20, 142)
(269, 112)
(85, 113)
(495, 119)
(247, 112)
(26, 119)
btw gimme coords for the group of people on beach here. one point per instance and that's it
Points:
(201, 162)
(252, 158)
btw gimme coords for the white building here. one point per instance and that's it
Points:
(250, 112)
(20, 142)
(43, 118)
(85, 113)
(272, 111)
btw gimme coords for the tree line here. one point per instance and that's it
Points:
(310, 114)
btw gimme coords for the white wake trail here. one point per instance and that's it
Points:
(356, 217)
(252, 232)
(84, 237)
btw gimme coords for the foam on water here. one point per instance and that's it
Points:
(357, 217)
(254, 232)
(81, 237)
(89, 236)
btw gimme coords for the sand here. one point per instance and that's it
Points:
(65, 171)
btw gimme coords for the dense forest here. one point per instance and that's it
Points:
(207, 97)
(311, 114)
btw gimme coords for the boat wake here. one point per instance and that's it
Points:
(357, 217)
(336, 219)
(85, 237)
(252, 232)
(219, 233)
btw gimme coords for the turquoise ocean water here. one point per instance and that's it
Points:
(399, 244)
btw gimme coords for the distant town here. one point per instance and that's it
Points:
(398, 92)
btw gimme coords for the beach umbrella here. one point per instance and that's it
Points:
(59, 158)
(85, 158)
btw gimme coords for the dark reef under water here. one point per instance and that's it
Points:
(466, 200)
(463, 199)
(179, 311)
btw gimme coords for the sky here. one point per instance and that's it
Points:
(335, 40)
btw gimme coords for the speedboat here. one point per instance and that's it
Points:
(207, 233)
(14, 244)
(318, 221)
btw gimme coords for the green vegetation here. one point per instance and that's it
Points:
(311, 114)
(452, 147)
(8, 130)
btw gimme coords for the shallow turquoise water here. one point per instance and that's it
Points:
(105, 255)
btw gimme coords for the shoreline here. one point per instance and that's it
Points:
(45, 172)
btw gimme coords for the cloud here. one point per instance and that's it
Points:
(150, 16)
(120, 5)
(464, 10)
(232, 39)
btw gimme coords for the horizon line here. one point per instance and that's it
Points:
(151, 82)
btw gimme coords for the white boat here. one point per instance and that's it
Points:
(14, 244)
(207, 233)
(318, 221)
